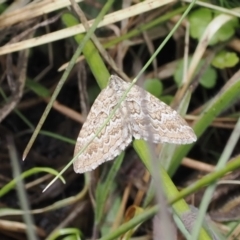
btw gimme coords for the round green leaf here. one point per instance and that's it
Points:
(208, 80)
(199, 20)
(225, 32)
(166, 99)
(154, 86)
(225, 59)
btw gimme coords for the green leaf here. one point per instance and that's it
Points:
(3, 7)
(105, 187)
(111, 215)
(93, 92)
(66, 234)
(225, 32)
(199, 20)
(208, 79)
(166, 99)
(225, 59)
(36, 87)
(154, 86)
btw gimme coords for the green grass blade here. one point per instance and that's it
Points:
(180, 207)
(206, 180)
(21, 191)
(231, 144)
(223, 100)
(66, 73)
(91, 54)
(10, 186)
(104, 188)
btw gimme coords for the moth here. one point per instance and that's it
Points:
(140, 116)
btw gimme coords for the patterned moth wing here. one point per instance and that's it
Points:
(153, 120)
(113, 138)
(140, 115)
